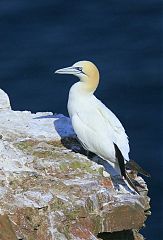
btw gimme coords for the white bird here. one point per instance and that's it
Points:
(97, 128)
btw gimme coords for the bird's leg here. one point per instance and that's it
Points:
(87, 153)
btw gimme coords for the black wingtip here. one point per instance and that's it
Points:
(120, 159)
(124, 173)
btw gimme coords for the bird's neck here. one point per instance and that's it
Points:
(89, 84)
(80, 89)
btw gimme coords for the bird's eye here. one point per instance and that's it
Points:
(79, 68)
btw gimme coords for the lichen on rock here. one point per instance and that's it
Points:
(51, 190)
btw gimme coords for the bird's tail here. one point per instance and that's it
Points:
(131, 164)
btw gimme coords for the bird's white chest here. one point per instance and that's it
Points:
(78, 101)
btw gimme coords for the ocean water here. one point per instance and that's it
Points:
(123, 38)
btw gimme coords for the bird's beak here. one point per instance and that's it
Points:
(68, 70)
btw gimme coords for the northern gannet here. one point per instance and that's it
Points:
(96, 127)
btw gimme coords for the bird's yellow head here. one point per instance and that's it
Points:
(87, 73)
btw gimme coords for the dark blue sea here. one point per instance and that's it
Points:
(123, 38)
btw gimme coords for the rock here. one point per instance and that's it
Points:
(6, 230)
(4, 101)
(50, 190)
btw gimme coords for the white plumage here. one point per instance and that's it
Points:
(96, 126)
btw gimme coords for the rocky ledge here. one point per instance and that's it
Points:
(51, 190)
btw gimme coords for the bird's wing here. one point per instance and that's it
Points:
(85, 126)
(120, 136)
(92, 130)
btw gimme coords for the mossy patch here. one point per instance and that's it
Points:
(76, 165)
(29, 144)
(26, 145)
(46, 154)
(50, 150)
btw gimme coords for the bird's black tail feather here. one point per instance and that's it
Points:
(131, 164)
